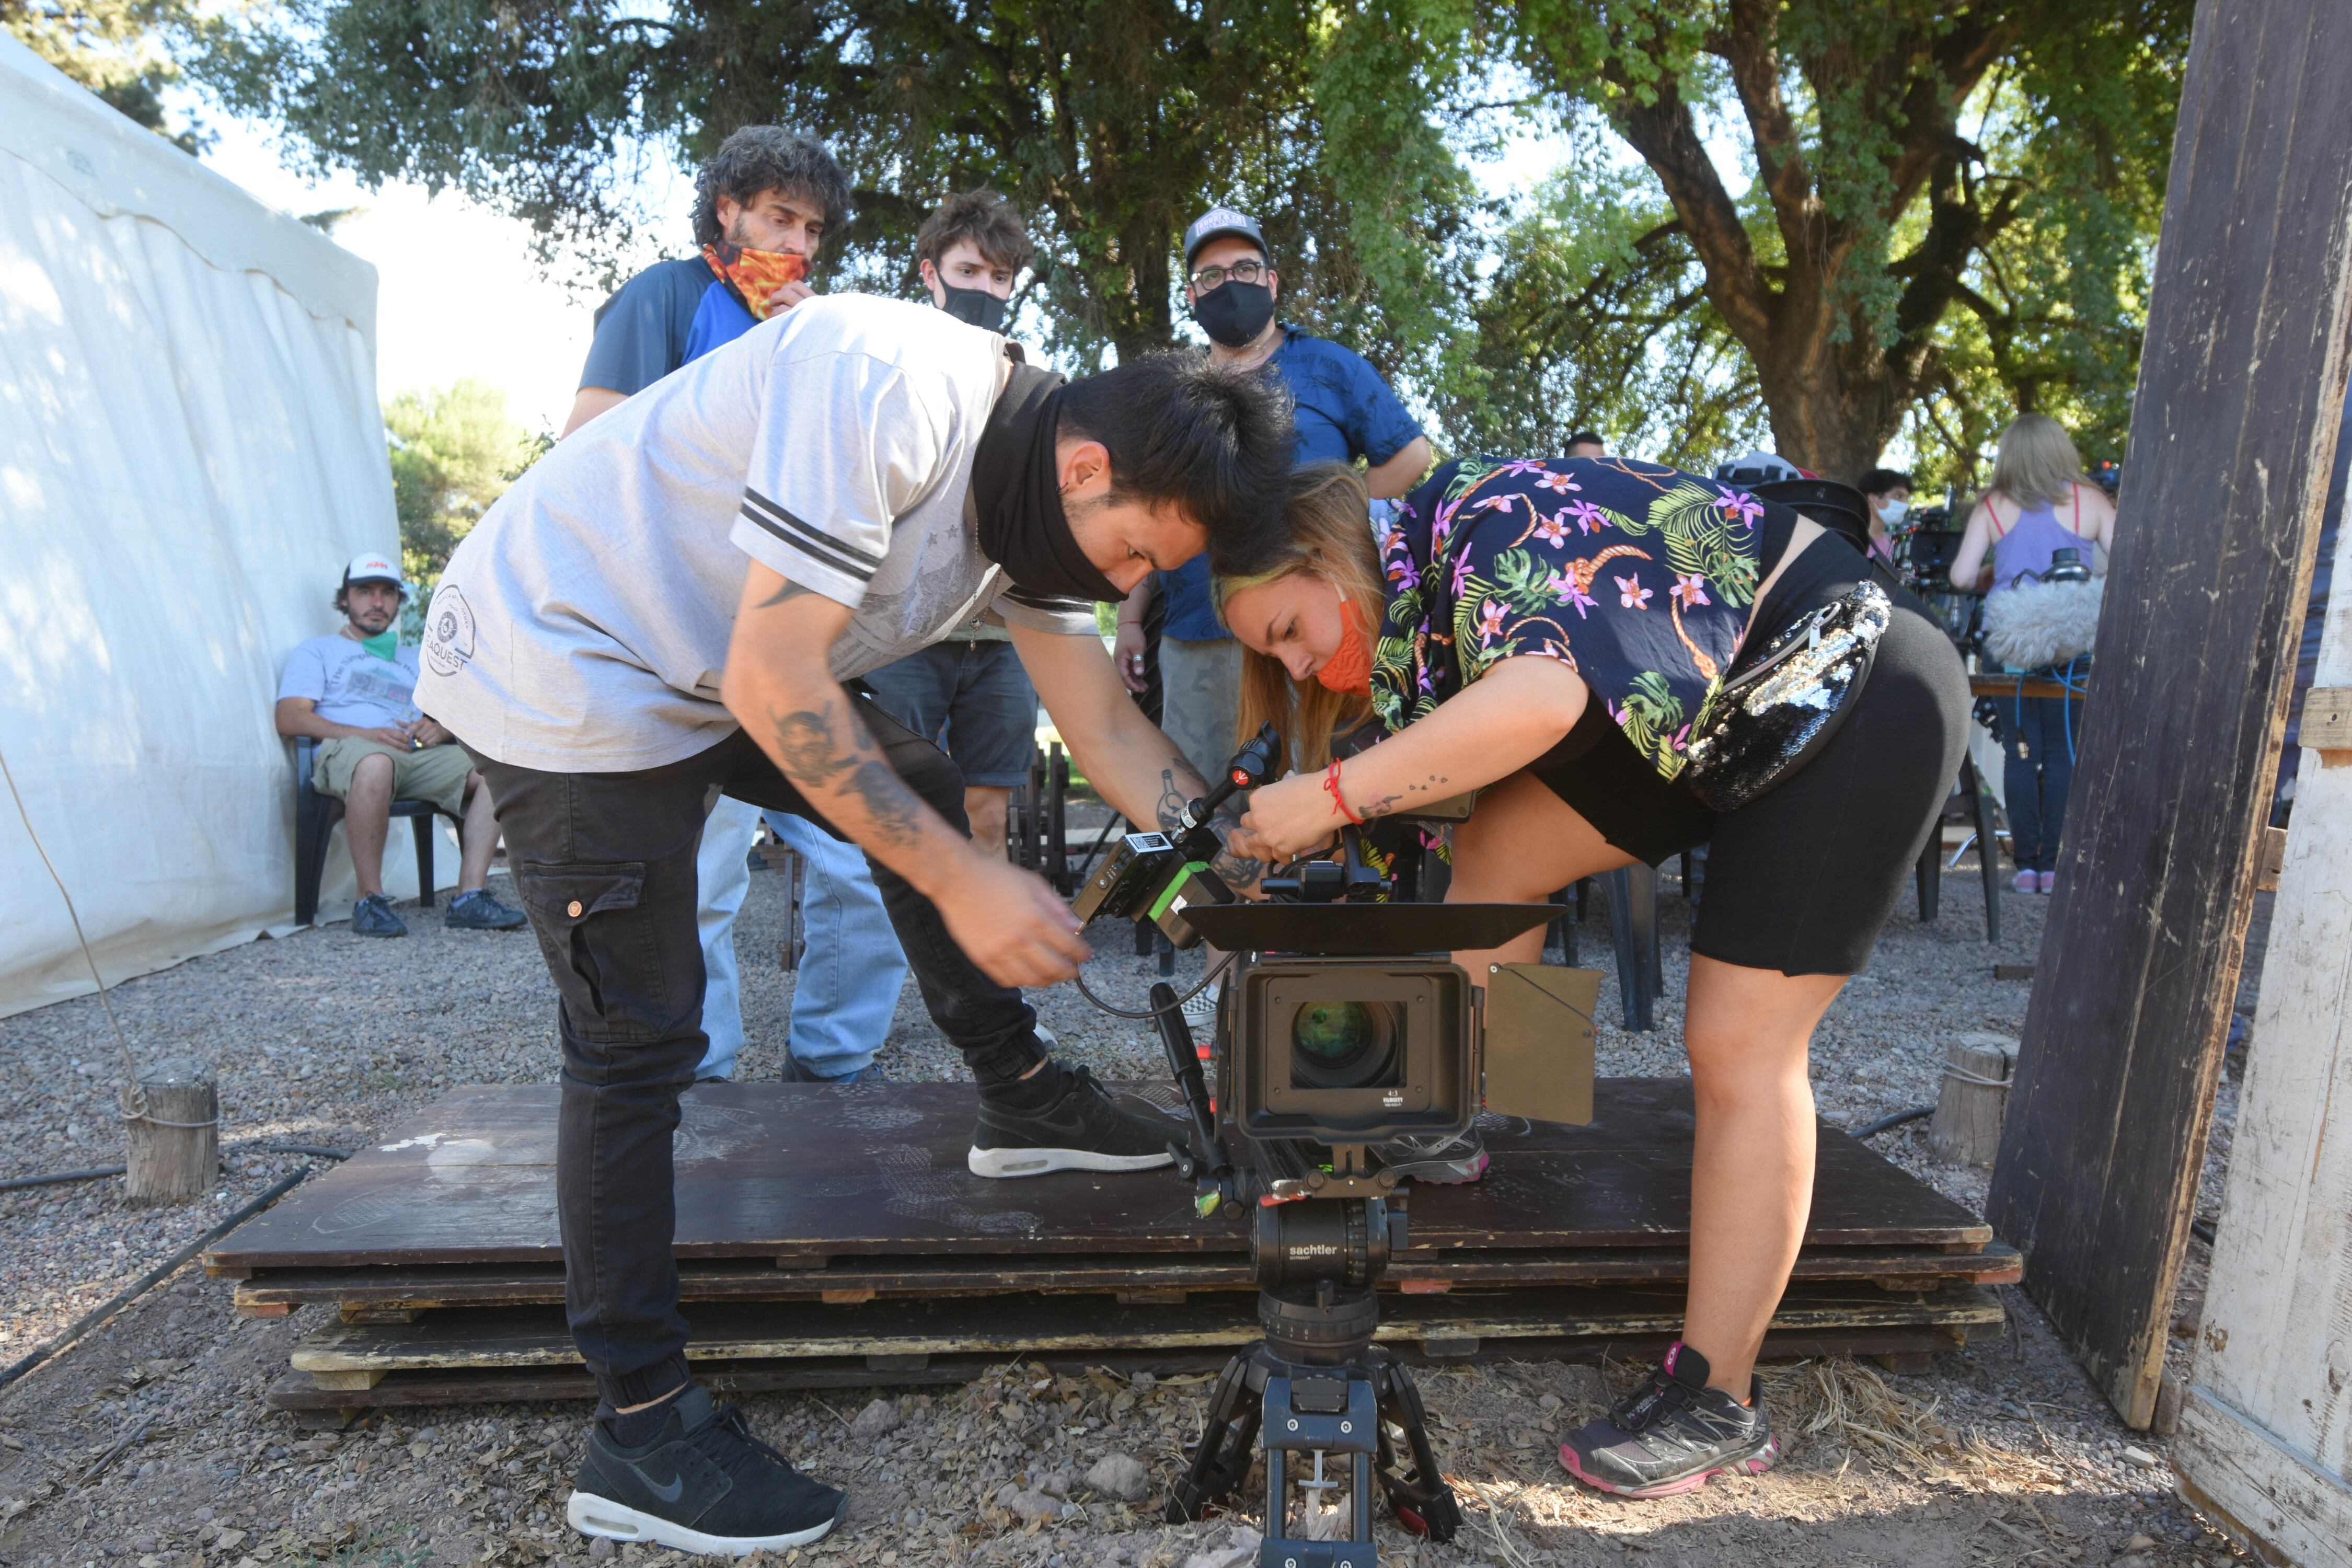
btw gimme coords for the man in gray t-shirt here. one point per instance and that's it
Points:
(666, 608)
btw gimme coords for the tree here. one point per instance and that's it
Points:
(121, 50)
(1112, 122)
(1875, 216)
(454, 452)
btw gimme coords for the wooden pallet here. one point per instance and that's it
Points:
(526, 1353)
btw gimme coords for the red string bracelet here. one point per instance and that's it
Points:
(1331, 786)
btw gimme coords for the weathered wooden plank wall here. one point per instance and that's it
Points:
(2266, 1427)
(2241, 380)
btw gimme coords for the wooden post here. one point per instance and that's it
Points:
(2241, 380)
(1977, 1072)
(171, 1163)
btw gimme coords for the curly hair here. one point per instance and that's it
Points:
(759, 158)
(983, 217)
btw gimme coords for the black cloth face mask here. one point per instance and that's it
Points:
(1017, 490)
(1234, 313)
(976, 307)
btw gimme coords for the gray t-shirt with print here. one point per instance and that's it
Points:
(583, 626)
(348, 685)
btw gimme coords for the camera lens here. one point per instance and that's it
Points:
(1345, 1045)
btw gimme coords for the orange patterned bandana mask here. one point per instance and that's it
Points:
(1349, 668)
(755, 274)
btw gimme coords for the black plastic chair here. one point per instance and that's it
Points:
(1971, 799)
(315, 816)
(1632, 933)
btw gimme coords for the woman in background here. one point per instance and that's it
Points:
(2040, 503)
(1888, 493)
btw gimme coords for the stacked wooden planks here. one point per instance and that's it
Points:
(830, 1235)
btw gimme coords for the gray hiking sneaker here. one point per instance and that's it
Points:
(798, 1071)
(1673, 1435)
(1080, 1129)
(477, 911)
(704, 1485)
(1449, 1161)
(372, 916)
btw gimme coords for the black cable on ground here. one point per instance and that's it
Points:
(318, 1150)
(15, 1184)
(149, 1280)
(1886, 1123)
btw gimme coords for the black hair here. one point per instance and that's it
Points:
(1215, 440)
(759, 158)
(983, 217)
(1878, 482)
(343, 600)
(1581, 436)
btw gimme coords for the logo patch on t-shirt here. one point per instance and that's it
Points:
(448, 631)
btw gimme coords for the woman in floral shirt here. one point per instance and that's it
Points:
(1548, 633)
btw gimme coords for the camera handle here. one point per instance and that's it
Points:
(1205, 1161)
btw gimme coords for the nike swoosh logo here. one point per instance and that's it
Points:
(666, 1493)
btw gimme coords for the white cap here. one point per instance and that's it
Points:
(374, 566)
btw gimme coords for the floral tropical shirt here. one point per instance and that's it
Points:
(1637, 577)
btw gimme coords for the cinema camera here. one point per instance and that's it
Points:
(1342, 1023)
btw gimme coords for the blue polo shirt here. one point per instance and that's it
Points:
(1344, 411)
(671, 313)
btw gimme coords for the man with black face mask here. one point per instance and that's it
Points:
(968, 687)
(663, 611)
(1343, 412)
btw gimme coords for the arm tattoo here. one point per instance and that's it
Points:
(789, 591)
(1387, 804)
(814, 757)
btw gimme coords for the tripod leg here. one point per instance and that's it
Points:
(1227, 1440)
(1419, 1497)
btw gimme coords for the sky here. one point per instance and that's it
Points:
(457, 290)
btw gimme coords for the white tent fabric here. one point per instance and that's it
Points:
(190, 448)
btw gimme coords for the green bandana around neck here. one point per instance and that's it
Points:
(385, 645)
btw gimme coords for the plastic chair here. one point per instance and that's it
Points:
(315, 816)
(1971, 798)
(1633, 931)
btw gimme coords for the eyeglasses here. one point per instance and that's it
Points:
(1213, 277)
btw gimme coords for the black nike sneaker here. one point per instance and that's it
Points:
(1673, 1433)
(1080, 1129)
(704, 1485)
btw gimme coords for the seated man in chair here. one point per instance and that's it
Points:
(353, 693)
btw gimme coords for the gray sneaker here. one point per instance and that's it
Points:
(1449, 1161)
(477, 911)
(798, 1071)
(372, 916)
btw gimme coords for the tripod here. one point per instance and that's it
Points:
(1315, 1389)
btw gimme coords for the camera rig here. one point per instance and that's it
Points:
(1343, 1023)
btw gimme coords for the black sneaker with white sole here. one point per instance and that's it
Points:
(1080, 1129)
(704, 1485)
(1673, 1433)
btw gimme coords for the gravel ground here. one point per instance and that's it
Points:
(149, 1443)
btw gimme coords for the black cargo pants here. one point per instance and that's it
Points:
(605, 864)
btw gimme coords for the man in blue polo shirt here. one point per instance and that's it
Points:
(1344, 411)
(762, 205)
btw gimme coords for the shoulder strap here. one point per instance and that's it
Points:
(1992, 511)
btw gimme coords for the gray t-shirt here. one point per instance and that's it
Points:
(583, 626)
(349, 685)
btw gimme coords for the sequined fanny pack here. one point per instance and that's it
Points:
(1772, 715)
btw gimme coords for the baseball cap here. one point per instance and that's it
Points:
(1217, 224)
(374, 566)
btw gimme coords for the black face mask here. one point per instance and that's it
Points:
(1234, 313)
(976, 307)
(1016, 491)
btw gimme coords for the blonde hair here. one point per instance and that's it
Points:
(2036, 461)
(1328, 535)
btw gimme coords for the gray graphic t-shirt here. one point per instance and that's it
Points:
(351, 685)
(584, 625)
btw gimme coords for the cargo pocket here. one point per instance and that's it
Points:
(600, 944)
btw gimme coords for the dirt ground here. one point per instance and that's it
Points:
(148, 1443)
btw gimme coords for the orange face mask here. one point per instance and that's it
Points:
(1349, 668)
(756, 274)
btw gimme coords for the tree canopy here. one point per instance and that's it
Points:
(454, 451)
(1824, 224)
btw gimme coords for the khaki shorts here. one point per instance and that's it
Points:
(436, 773)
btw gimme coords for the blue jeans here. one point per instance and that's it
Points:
(972, 698)
(2038, 769)
(850, 974)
